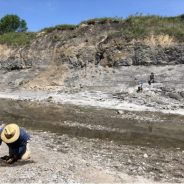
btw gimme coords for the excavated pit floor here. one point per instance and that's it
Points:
(72, 144)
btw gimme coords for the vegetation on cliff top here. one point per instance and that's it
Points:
(60, 27)
(143, 26)
(103, 20)
(137, 26)
(13, 31)
(17, 39)
(12, 23)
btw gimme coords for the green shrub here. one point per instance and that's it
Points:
(12, 23)
(142, 26)
(17, 39)
(102, 20)
(60, 27)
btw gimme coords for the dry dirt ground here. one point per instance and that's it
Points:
(64, 159)
(71, 144)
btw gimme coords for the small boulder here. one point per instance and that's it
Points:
(166, 89)
(49, 99)
(120, 112)
(145, 155)
(174, 96)
(182, 94)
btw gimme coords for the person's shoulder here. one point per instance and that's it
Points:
(1, 129)
(23, 131)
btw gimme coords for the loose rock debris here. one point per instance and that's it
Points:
(64, 159)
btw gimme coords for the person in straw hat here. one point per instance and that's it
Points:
(16, 139)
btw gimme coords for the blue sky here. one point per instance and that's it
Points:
(45, 13)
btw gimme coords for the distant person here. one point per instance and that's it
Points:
(16, 139)
(152, 78)
(140, 88)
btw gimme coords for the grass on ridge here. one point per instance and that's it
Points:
(17, 39)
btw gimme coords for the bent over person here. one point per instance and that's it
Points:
(16, 139)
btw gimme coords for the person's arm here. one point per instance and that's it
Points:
(24, 137)
(1, 129)
(6, 156)
(21, 150)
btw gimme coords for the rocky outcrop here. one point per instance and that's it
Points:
(97, 44)
(65, 56)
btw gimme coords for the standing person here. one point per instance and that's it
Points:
(16, 139)
(152, 78)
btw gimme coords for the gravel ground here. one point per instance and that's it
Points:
(60, 158)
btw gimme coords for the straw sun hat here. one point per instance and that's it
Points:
(10, 133)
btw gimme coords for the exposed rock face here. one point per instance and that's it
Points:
(60, 51)
(91, 44)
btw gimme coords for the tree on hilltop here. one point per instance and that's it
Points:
(12, 23)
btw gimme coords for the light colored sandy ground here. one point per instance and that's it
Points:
(94, 99)
(101, 90)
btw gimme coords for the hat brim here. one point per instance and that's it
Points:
(14, 138)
